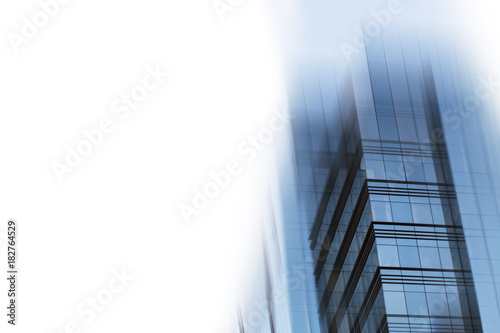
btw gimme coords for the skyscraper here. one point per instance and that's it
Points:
(395, 186)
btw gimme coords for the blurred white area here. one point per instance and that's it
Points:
(480, 28)
(119, 208)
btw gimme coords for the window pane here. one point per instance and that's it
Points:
(429, 257)
(388, 255)
(409, 256)
(381, 211)
(395, 302)
(421, 213)
(417, 304)
(401, 212)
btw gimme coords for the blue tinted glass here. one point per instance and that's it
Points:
(395, 302)
(416, 304)
(437, 304)
(381, 211)
(401, 212)
(388, 255)
(429, 257)
(446, 259)
(374, 169)
(409, 256)
(421, 213)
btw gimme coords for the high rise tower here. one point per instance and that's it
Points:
(396, 184)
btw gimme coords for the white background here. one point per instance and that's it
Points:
(119, 208)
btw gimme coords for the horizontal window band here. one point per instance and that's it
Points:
(417, 232)
(361, 262)
(365, 250)
(405, 182)
(416, 225)
(438, 238)
(369, 300)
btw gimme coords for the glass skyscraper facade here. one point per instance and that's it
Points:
(392, 206)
